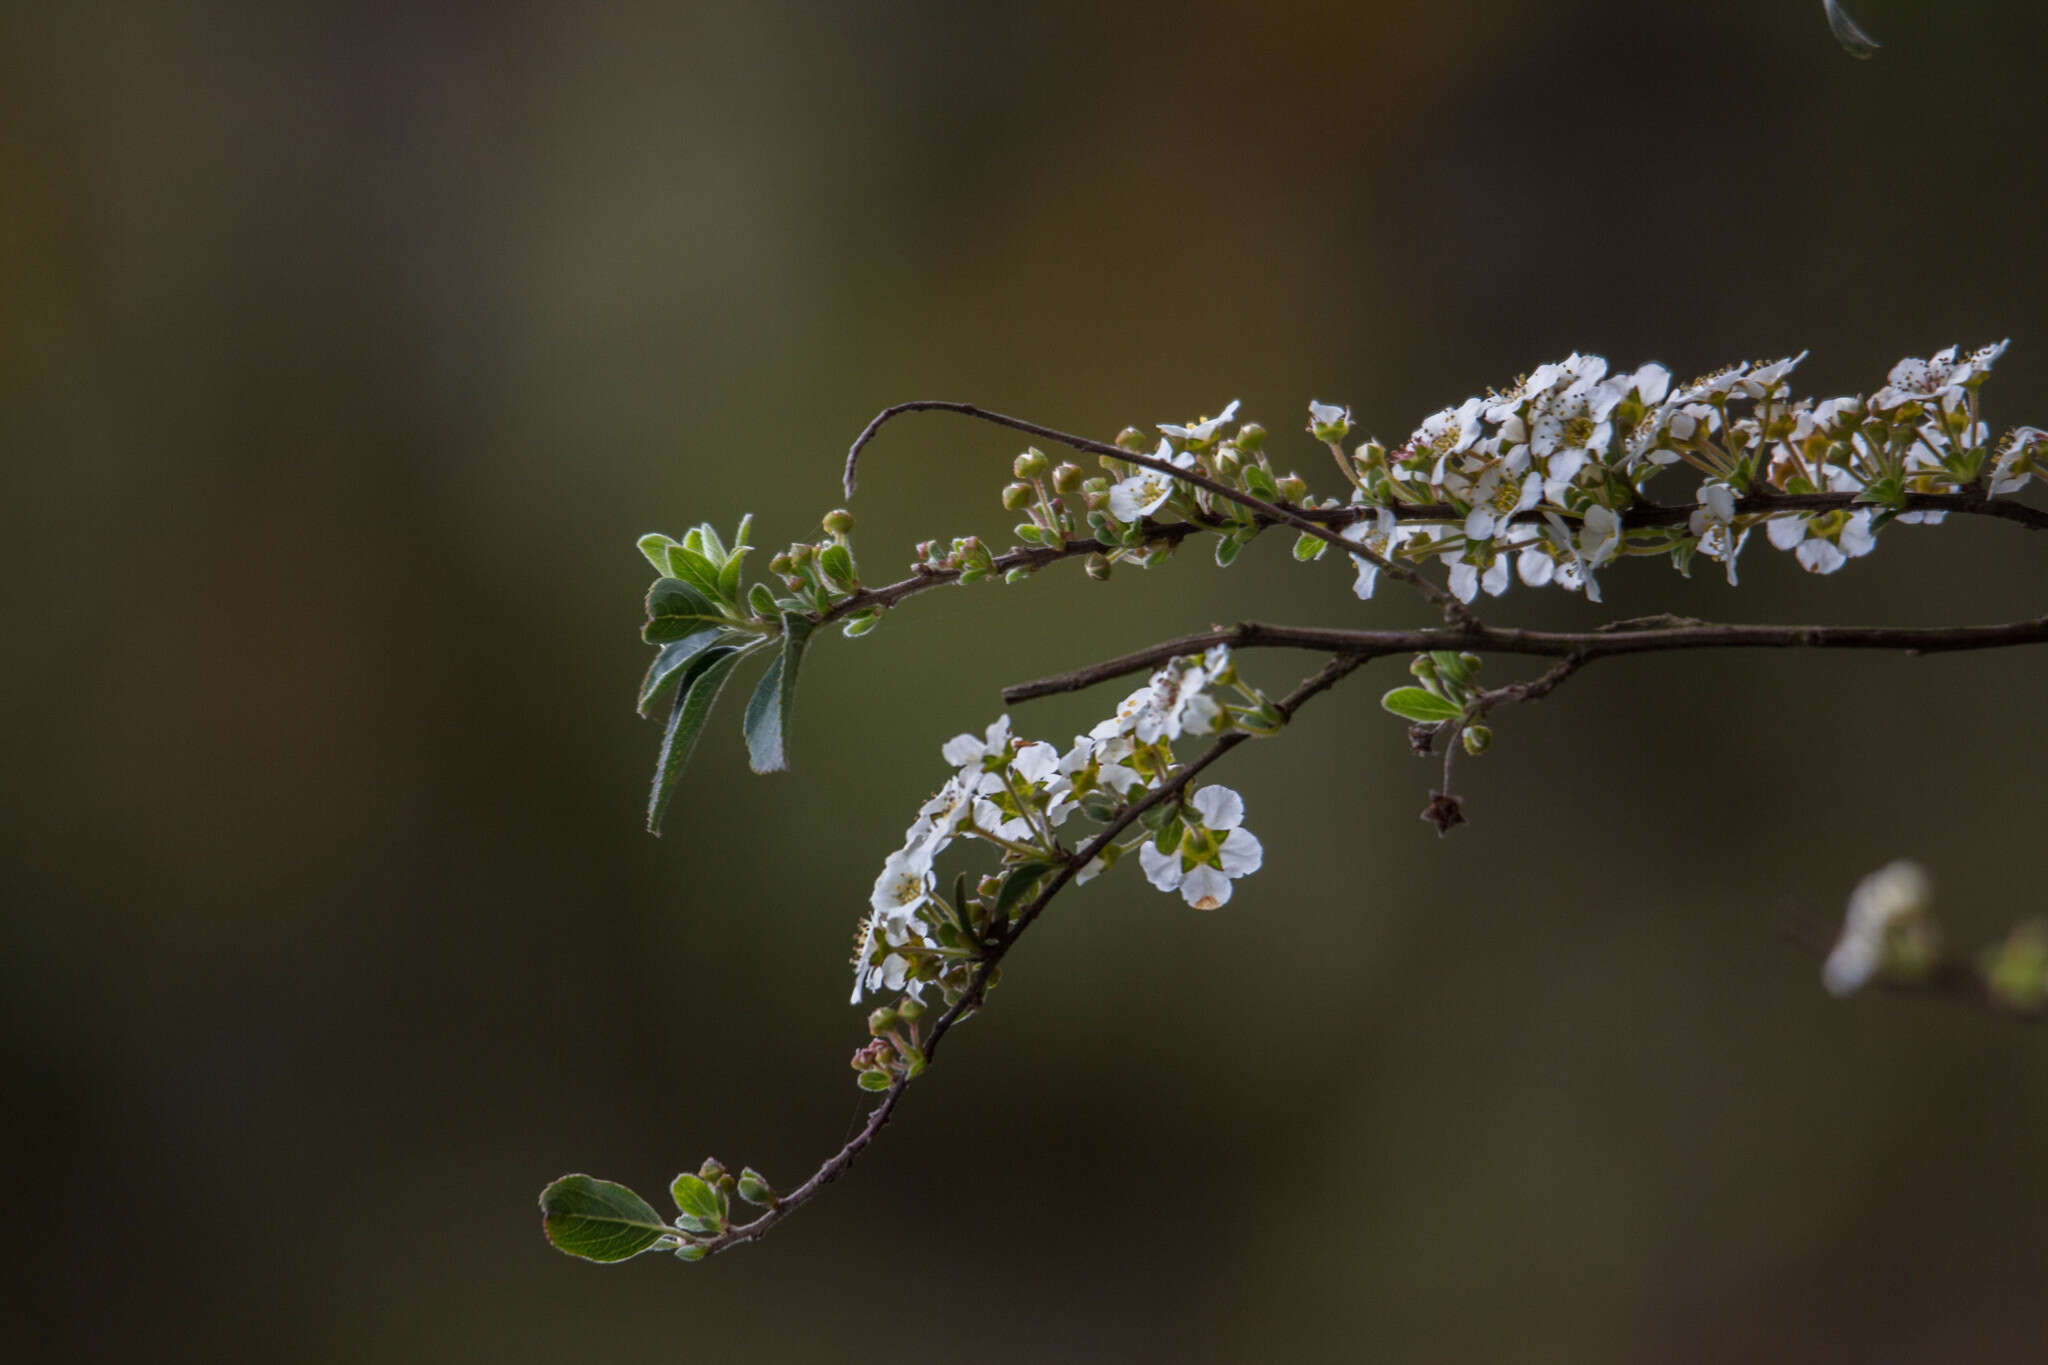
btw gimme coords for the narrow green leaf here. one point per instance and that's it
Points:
(655, 546)
(1414, 703)
(598, 1220)
(694, 700)
(770, 709)
(1015, 885)
(729, 576)
(696, 570)
(669, 665)
(676, 609)
(1227, 548)
(712, 547)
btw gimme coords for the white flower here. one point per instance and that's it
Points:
(2019, 459)
(1202, 430)
(1599, 536)
(905, 885)
(1146, 491)
(1713, 522)
(965, 751)
(1378, 536)
(1887, 925)
(1203, 866)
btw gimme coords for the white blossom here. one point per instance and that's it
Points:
(1887, 920)
(1203, 430)
(1203, 865)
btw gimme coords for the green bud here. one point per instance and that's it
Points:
(861, 622)
(1130, 438)
(875, 1080)
(1031, 464)
(690, 1251)
(1017, 497)
(839, 521)
(782, 564)
(988, 886)
(710, 1171)
(1096, 567)
(910, 1010)
(800, 555)
(1098, 484)
(1251, 437)
(1293, 488)
(1017, 575)
(1066, 478)
(1477, 739)
(882, 1020)
(1471, 663)
(1228, 464)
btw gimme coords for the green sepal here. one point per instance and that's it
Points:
(694, 700)
(1167, 840)
(670, 664)
(1413, 703)
(700, 1201)
(598, 1220)
(774, 701)
(676, 609)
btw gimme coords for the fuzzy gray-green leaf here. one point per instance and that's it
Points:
(670, 664)
(1413, 703)
(676, 609)
(770, 709)
(694, 700)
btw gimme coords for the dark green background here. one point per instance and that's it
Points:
(344, 352)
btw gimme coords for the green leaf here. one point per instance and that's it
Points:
(1260, 484)
(837, 563)
(1307, 547)
(598, 1220)
(710, 545)
(694, 700)
(655, 546)
(696, 570)
(1414, 703)
(761, 599)
(695, 1198)
(774, 700)
(669, 665)
(1227, 548)
(1016, 885)
(676, 609)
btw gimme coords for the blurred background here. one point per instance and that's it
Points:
(346, 349)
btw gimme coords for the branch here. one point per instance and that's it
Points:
(1273, 513)
(999, 945)
(1581, 645)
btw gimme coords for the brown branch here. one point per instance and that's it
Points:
(1583, 645)
(1273, 513)
(1001, 940)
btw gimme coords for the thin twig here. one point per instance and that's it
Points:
(1001, 941)
(1275, 513)
(1585, 645)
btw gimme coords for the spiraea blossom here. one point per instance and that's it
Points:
(1016, 795)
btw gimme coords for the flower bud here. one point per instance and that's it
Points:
(781, 564)
(839, 521)
(1031, 464)
(1227, 464)
(710, 1171)
(1251, 437)
(1096, 567)
(1130, 438)
(1477, 739)
(909, 1010)
(1017, 497)
(1293, 488)
(800, 555)
(882, 1020)
(1066, 478)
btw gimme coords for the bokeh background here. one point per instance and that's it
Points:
(345, 350)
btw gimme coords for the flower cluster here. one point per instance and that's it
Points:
(1548, 474)
(1016, 794)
